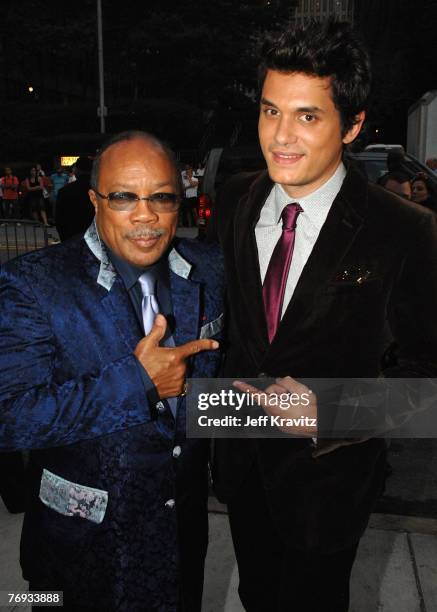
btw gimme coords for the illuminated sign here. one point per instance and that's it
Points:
(69, 160)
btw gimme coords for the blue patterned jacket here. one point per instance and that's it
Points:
(108, 467)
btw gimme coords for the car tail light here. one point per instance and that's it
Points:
(204, 206)
(204, 201)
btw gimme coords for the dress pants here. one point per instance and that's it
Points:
(193, 544)
(13, 481)
(274, 577)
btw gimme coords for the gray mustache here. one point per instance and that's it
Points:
(145, 233)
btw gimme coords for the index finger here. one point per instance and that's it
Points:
(196, 346)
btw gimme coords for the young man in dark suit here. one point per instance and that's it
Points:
(353, 256)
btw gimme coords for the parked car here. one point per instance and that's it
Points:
(384, 147)
(222, 163)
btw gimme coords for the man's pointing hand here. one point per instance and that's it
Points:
(166, 366)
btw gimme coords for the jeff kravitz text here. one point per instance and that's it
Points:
(263, 420)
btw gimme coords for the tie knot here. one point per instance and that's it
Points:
(148, 283)
(289, 215)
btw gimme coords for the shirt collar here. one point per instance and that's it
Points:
(130, 273)
(317, 204)
(107, 271)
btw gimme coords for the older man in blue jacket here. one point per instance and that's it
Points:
(97, 336)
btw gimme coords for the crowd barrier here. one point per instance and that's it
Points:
(18, 236)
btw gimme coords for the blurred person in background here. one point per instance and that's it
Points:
(47, 185)
(58, 179)
(189, 204)
(74, 210)
(39, 170)
(395, 160)
(34, 187)
(398, 182)
(200, 170)
(432, 163)
(421, 192)
(10, 184)
(72, 173)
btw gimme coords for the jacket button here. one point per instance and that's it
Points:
(160, 407)
(170, 504)
(177, 451)
(263, 375)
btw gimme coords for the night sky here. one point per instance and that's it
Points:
(182, 70)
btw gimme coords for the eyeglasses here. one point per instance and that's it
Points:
(127, 201)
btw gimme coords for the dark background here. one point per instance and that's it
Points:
(183, 70)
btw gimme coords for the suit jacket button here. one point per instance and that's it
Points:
(263, 375)
(170, 504)
(160, 407)
(177, 451)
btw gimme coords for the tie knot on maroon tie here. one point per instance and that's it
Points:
(289, 216)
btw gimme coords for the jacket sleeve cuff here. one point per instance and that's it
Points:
(150, 389)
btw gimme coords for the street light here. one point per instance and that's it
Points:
(101, 111)
(30, 89)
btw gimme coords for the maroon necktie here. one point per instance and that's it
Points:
(277, 271)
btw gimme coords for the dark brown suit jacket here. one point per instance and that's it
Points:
(331, 329)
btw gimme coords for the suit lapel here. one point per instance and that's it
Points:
(336, 237)
(120, 310)
(185, 297)
(115, 300)
(246, 257)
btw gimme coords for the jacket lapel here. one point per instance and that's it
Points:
(114, 298)
(246, 258)
(336, 237)
(185, 297)
(116, 301)
(120, 310)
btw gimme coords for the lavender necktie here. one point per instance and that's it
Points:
(149, 306)
(277, 271)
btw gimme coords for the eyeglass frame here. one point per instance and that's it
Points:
(149, 199)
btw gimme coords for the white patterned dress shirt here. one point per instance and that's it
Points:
(268, 230)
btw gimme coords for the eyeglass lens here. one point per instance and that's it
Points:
(158, 202)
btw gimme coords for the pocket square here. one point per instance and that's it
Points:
(212, 328)
(356, 274)
(71, 499)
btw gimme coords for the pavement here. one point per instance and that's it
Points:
(395, 570)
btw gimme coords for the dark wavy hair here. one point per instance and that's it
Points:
(324, 49)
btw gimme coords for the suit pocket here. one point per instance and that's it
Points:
(372, 285)
(72, 499)
(212, 328)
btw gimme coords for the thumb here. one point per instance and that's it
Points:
(158, 330)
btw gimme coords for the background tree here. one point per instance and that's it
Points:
(196, 57)
(402, 41)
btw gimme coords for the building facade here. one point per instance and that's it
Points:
(343, 10)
